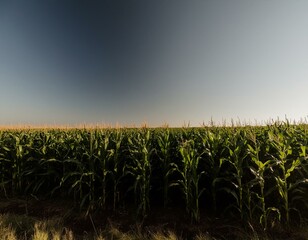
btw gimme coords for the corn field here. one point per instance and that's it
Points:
(255, 174)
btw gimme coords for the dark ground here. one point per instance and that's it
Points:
(161, 219)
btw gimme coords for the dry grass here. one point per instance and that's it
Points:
(7, 233)
(14, 227)
(164, 236)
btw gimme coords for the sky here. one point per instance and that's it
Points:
(130, 62)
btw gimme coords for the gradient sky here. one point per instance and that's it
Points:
(159, 61)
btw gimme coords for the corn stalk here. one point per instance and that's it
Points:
(140, 149)
(190, 177)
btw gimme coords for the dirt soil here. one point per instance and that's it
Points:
(160, 219)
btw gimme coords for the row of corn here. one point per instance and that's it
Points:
(256, 174)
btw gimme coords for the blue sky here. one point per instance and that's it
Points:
(134, 61)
